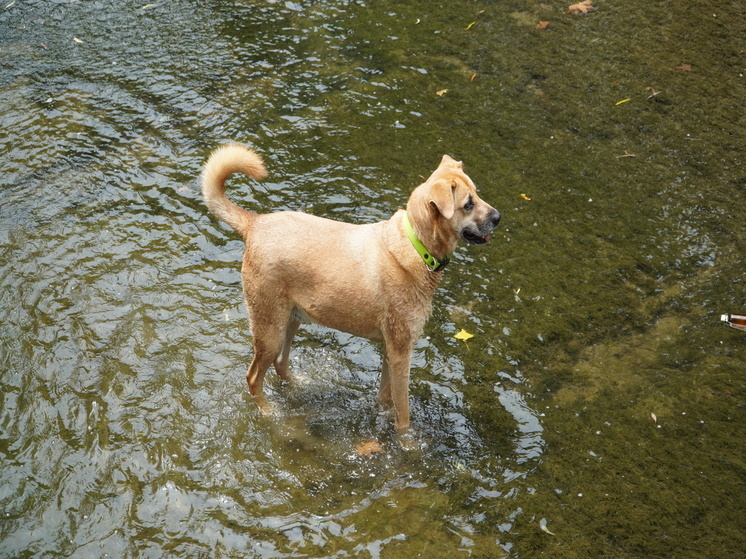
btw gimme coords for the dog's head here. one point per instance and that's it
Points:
(446, 209)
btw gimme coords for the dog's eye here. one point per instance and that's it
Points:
(469, 204)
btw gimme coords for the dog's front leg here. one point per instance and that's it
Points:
(397, 362)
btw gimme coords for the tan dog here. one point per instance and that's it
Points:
(375, 280)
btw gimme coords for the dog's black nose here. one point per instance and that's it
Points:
(494, 217)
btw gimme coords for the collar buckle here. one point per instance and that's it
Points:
(442, 264)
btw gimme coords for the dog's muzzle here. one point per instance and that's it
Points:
(481, 234)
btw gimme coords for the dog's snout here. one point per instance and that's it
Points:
(494, 217)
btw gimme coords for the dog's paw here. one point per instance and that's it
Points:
(265, 407)
(410, 443)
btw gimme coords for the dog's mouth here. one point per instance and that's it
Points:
(474, 238)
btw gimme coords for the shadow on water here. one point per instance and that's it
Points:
(598, 409)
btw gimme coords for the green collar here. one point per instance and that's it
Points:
(431, 262)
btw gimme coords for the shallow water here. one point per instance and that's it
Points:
(598, 411)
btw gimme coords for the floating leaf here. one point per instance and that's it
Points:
(474, 75)
(470, 25)
(463, 335)
(581, 8)
(685, 67)
(369, 447)
(77, 40)
(653, 417)
(622, 101)
(542, 25)
(441, 92)
(543, 526)
(525, 197)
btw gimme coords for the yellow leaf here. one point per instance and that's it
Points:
(441, 92)
(622, 101)
(581, 8)
(369, 447)
(77, 40)
(463, 335)
(525, 197)
(470, 25)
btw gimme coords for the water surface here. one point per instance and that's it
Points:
(598, 411)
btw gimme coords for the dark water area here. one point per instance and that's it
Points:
(597, 411)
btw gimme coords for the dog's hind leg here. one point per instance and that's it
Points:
(384, 392)
(269, 336)
(255, 375)
(282, 361)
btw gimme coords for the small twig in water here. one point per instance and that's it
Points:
(626, 154)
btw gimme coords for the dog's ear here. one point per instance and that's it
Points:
(449, 161)
(442, 199)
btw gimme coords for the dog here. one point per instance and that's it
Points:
(373, 280)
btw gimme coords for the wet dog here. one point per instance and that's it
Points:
(374, 280)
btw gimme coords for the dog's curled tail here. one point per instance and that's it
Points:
(224, 161)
